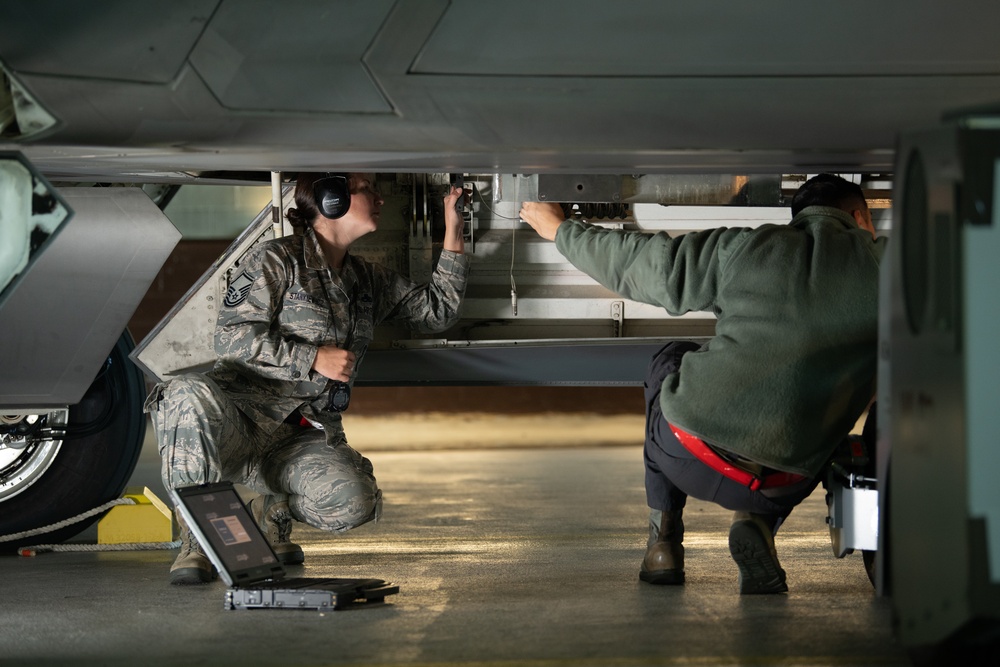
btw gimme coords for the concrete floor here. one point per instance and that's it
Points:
(504, 557)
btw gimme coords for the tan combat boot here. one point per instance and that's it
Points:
(663, 563)
(275, 521)
(751, 542)
(191, 565)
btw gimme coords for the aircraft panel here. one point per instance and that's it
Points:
(643, 87)
(145, 41)
(712, 38)
(292, 56)
(64, 317)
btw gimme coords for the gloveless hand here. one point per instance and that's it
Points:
(454, 225)
(544, 218)
(334, 363)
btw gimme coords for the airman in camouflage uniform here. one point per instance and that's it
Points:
(261, 416)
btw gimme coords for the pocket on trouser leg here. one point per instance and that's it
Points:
(186, 430)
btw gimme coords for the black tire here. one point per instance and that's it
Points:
(89, 470)
(869, 558)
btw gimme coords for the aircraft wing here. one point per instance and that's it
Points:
(137, 89)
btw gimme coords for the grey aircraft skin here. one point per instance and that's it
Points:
(144, 90)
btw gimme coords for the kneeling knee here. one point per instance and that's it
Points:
(349, 506)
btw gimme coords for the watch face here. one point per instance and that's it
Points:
(340, 397)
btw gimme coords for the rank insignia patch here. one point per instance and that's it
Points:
(238, 290)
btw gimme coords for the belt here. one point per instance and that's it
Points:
(704, 453)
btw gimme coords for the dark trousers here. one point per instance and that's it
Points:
(673, 473)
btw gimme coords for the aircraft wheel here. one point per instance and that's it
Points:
(46, 481)
(869, 558)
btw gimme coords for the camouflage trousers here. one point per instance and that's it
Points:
(204, 437)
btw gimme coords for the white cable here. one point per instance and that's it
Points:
(66, 522)
(513, 235)
(128, 546)
(41, 548)
(513, 285)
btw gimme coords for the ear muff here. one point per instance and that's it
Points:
(332, 195)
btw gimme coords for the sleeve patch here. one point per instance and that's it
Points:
(238, 290)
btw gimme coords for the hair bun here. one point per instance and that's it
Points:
(296, 218)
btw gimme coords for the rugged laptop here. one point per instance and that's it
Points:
(245, 561)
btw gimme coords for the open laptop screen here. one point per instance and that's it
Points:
(231, 532)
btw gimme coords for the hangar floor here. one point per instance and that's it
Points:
(509, 555)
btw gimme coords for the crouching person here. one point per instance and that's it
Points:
(749, 419)
(290, 337)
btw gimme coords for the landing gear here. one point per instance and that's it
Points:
(56, 465)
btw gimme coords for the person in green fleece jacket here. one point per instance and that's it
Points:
(749, 419)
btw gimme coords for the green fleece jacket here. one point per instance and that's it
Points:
(792, 364)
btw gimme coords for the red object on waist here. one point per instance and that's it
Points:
(704, 453)
(296, 419)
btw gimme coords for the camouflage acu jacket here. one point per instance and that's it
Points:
(286, 303)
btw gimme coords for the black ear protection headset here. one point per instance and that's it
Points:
(332, 195)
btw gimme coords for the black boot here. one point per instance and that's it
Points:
(751, 542)
(663, 563)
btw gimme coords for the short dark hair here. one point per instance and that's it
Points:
(828, 190)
